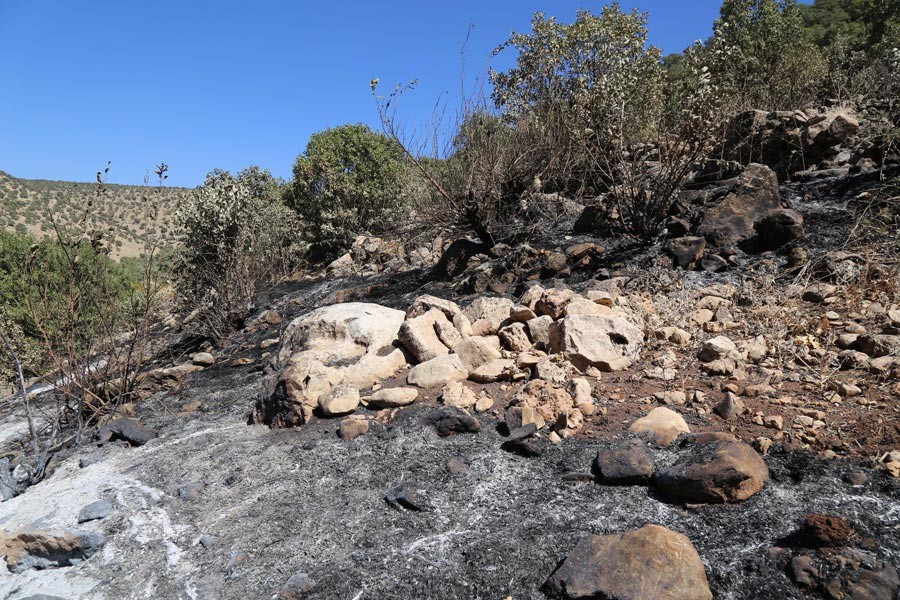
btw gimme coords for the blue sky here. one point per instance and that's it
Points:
(202, 84)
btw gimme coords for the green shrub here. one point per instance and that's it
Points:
(237, 238)
(348, 181)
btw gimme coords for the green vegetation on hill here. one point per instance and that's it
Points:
(27, 204)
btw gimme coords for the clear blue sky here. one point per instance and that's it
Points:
(203, 84)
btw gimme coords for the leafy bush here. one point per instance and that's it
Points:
(237, 238)
(349, 180)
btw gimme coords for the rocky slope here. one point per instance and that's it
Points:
(714, 416)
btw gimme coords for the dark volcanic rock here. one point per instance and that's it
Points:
(717, 471)
(628, 463)
(777, 229)
(685, 251)
(751, 196)
(127, 430)
(449, 421)
(650, 563)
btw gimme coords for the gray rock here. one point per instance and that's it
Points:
(95, 511)
(127, 430)
(299, 585)
(627, 463)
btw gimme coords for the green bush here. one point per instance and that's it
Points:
(237, 238)
(348, 181)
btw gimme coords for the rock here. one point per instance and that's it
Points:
(292, 396)
(95, 511)
(299, 585)
(447, 333)
(778, 228)
(341, 400)
(662, 424)
(449, 422)
(824, 531)
(484, 403)
(803, 572)
(203, 359)
(718, 348)
(341, 332)
(426, 303)
(191, 491)
(518, 417)
(49, 550)
(457, 465)
(394, 397)
(730, 407)
(651, 563)
(458, 395)
(729, 221)
(878, 345)
(583, 306)
(501, 369)
(607, 342)
(715, 472)
(685, 251)
(528, 447)
(495, 310)
(353, 427)
(818, 292)
(553, 302)
(438, 371)
(521, 314)
(627, 463)
(539, 330)
(127, 430)
(514, 337)
(419, 335)
(342, 264)
(674, 335)
(475, 351)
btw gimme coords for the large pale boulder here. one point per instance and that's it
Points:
(609, 343)
(292, 396)
(341, 400)
(491, 309)
(341, 332)
(420, 335)
(651, 563)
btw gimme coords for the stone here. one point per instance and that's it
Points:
(627, 463)
(457, 465)
(127, 430)
(518, 417)
(438, 371)
(423, 304)
(501, 369)
(457, 394)
(299, 585)
(651, 563)
(420, 337)
(521, 314)
(818, 292)
(448, 422)
(48, 550)
(402, 496)
(524, 445)
(718, 348)
(778, 228)
(514, 337)
(539, 330)
(685, 251)
(729, 221)
(583, 306)
(447, 333)
(609, 343)
(716, 472)
(553, 302)
(475, 351)
(495, 310)
(662, 424)
(341, 400)
(484, 403)
(203, 359)
(394, 397)
(879, 345)
(730, 407)
(340, 332)
(268, 343)
(95, 511)
(673, 334)
(353, 427)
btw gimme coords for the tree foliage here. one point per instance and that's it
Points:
(349, 180)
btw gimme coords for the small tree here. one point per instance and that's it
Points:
(237, 238)
(349, 180)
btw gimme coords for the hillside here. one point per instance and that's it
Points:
(26, 206)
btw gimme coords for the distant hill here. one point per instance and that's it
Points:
(26, 204)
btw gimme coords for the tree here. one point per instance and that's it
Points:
(349, 180)
(759, 53)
